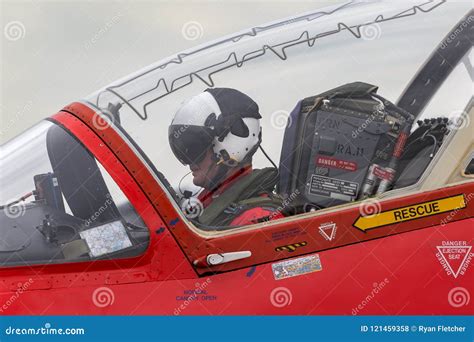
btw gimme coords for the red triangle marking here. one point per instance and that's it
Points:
(454, 256)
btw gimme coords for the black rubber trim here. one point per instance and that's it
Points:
(440, 65)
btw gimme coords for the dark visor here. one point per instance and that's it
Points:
(190, 143)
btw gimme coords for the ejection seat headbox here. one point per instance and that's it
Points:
(342, 145)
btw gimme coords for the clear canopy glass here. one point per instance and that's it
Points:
(384, 44)
(58, 204)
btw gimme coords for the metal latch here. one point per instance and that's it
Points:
(221, 258)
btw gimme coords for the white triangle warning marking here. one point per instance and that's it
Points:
(455, 274)
(325, 228)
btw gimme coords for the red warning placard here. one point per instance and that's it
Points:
(336, 163)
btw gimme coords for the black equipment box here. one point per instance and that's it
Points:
(335, 140)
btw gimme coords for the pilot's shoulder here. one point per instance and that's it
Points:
(256, 215)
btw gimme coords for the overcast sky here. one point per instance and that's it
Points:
(55, 52)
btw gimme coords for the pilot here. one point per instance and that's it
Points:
(216, 134)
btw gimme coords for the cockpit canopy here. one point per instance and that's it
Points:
(340, 92)
(58, 203)
(387, 45)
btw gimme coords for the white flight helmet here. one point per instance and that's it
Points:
(223, 118)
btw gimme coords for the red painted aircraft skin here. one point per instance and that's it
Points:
(415, 284)
(387, 270)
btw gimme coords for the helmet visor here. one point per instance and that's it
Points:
(190, 143)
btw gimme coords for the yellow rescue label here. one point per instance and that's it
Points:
(411, 212)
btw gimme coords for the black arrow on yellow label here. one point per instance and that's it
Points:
(411, 212)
